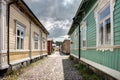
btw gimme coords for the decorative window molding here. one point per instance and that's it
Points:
(76, 39)
(20, 34)
(102, 9)
(83, 30)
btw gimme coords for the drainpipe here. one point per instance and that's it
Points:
(8, 37)
(77, 23)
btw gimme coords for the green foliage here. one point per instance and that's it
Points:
(58, 43)
(15, 73)
(86, 73)
(71, 58)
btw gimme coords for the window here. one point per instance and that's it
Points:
(41, 40)
(20, 33)
(75, 38)
(83, 36)
(35, 41)
(104, 26)
(43, 44)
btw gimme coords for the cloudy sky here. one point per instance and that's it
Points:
(55, 15)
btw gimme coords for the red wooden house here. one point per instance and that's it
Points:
(49, 46)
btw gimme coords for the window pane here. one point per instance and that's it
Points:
(83, 34)
(104, 13)
(101, 33)
(43, 44)
(84, 43)
(36, 37)
(21, 44)
(18, 32)
(108, 32)
(36, 45)
(18, 42)
(22, 33)
(36, 41)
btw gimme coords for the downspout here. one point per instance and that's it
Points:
(8, 37)
(77, 23)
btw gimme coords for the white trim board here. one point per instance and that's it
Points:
(74, 55)
(19, 61)
(109, 71)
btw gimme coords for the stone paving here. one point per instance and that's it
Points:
(55, 67)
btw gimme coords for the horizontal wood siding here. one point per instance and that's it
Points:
(35, 29)
(74, 50)
(110, 59)
(117, 23)
(91, 30)
(35, 53)
(19, 16)
(106, 58)
(18, 55)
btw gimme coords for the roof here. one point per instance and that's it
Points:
(72, 28)
(33, 15)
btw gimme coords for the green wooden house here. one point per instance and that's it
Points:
(95, 35)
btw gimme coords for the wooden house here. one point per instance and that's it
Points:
(95, 35)
(22, 36)
(65, 47)
(49, 46)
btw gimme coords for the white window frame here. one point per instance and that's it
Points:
(41, 40)
(44, 47)
(101, 6)
(21, 28)
(36, 41)
(44, 43)
(83, 26)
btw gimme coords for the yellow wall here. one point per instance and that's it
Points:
(18, 55)
(15, 54)
(19, 16)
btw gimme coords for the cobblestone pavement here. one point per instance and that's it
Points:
(55, 67)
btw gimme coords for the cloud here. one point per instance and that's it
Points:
(55, 15)
(67, 2)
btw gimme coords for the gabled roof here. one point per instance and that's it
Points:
(73, 26)
(32, 15)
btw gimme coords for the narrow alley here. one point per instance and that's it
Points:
(55, 67)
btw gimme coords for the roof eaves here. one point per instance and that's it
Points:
(69, 32)
(34, 16)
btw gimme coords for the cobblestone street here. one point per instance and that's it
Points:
(55, 67)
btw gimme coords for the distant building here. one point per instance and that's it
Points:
(65, 47)
(49, 46)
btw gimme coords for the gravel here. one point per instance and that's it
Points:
(56, 67)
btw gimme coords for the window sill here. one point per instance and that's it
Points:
(105, 48)
(84, 48)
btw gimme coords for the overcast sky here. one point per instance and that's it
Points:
(55, 15)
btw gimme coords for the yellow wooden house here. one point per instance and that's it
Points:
(22, 36)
